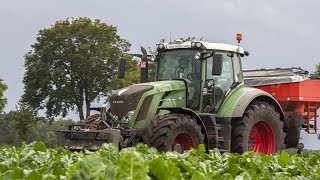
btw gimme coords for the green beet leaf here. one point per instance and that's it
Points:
(284, 159)
(132, 166)
(164, 169)
(39, 146)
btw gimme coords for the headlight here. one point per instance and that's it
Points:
(153, 57)
(198, 44)
(161, 46)
(130, 114)
(204, 91)
(210, 83)
(125, 119)
(197, 55)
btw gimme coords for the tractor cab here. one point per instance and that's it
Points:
(209, 70)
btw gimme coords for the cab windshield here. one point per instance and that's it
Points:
(180, 64)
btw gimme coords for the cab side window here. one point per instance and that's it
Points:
(224, 81)
(238, 77)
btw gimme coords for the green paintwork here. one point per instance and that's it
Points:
(238, 99)
(229, 104)
(175, 97)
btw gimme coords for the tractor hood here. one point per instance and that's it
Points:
(164, 86)
(127, 99)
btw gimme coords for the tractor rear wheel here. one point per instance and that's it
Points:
(259, 130)
(177, 132)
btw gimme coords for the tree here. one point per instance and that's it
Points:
(132, 75)
(152, 71)
(3, 100)
(71, 63)
(8, 135)
(44, 131)
(15, 124)
(317, 73)
(23, 121)
(181, 40)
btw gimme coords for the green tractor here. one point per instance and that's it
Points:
(199, 97)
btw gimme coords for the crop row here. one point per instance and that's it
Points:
(35, 161)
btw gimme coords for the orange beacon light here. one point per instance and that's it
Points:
(239, 37)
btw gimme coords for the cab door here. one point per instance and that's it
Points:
(231, 75)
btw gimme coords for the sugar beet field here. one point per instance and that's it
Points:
(35, 161)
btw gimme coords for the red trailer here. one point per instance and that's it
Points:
(298, 95)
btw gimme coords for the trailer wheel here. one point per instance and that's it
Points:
(259, 130)
(175, 132)
(293, 126)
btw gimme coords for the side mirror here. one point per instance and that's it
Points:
(121, 67)
(217, 64)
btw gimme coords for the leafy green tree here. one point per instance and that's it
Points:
(8, 135)
(44, 130)
(132, 75)
(71, 64)
(39, 129)
(317, 73)
(187, 39)
(182, 39)
(3, 100)
(152, 71)
(23, 121)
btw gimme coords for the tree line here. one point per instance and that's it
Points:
(15, 129)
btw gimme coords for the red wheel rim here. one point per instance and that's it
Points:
(262, 138)
(184, 140)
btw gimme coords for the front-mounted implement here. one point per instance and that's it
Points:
(92, 132)
(83, 136)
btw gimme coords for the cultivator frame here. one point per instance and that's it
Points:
(84, 136)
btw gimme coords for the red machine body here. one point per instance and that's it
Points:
(298, 96)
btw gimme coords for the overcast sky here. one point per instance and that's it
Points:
(278, 33)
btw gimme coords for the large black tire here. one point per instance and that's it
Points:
(259, 130)
(177, 132)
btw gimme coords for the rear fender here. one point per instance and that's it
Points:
(236, 104)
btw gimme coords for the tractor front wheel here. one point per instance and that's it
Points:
(259, 130)
(177, 132)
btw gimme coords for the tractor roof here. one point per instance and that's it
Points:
(206, 45)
